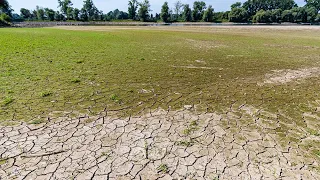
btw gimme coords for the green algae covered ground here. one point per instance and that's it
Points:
(72, 71)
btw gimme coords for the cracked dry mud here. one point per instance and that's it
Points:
(288, 75)
(159, 145)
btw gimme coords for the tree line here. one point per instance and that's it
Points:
(260, 11)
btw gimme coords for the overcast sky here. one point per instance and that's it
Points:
(108, 5)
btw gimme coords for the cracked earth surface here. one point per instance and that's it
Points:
(158, 145)
(288, 75)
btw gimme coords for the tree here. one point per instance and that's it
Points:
(208, 14)
(186, 14)
(165, 12)
(236, 5)
(317, 18)
(144, 8)
(276, 15)
(90, 11)
(64, 5)
(75, 14)
(253, 6)
(157, 17)
(281, 4)
(225, 16)
(5, 8)
(177, 9)
(25, 13)
(40, 13)
(50, 13)
(304, 14)
(58, 16)
(16, 17)
(34, 14)
(109, 16)
(263, 16)
(84, 15)
(4, 17)
(198, 10)
(311, 13)
(123, 15)
(313, 3)
(238, 15)
(132, 9)
(70, 13)
(287, 16)
(3, 3)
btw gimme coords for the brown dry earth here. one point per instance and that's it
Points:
(161, 144)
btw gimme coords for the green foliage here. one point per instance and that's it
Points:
(263, 16)
(80, 61)
(262, 11)
(177, 10)
(90, 12)
(75, 14)
(64, 5)
(58, 16)
(313, 3)
(287, 16)
(144, 8)
(198, 10)
(253, 6)
(132, 9)
(5, 8)
(311, 14)
(116, 15)
(70, 13)
(46, 94)
(7, 101)
(317, 153)
(184, 143)
(37, 121)
(25, 13)
(40, 13)
(303, 14)
(193, 126)
(208, 15)
(4, 17)
(236, 5)
(317, 18)
(75, 80)
(163, 168)
(187, 13)
(165, 12)
(49, 14)
(238, 15)
(276, 15)
(115, 98)
(314, 132)
(3, 161)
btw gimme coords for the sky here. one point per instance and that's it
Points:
(110, 5)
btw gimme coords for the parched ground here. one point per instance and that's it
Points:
(160, 103)
(159, 145)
